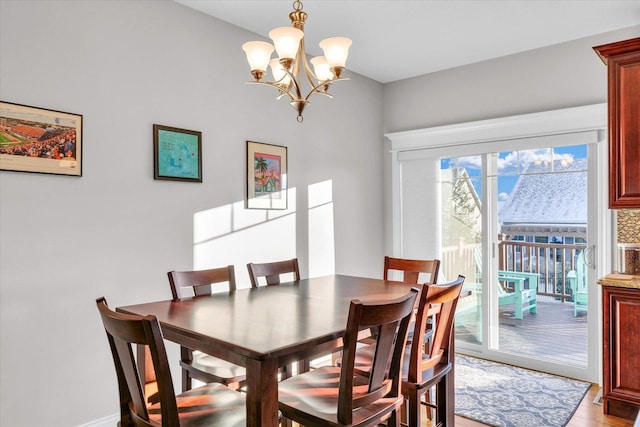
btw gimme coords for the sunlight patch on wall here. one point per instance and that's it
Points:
(231, 234)
(321, 229)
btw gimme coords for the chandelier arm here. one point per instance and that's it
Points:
(308, 71)
(278, 87)
(323, 87)
(295, 84)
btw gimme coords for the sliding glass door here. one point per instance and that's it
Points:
(522, 219)
(534, 269)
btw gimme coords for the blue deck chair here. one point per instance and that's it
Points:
(514, 287)
(578, 280)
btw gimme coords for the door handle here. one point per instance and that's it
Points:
(589, 257)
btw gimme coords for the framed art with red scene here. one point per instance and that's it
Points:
(40, 140)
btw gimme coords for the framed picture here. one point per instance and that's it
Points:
(177, 154)
(38, 140)
(266, 176)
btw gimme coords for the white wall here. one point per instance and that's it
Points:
(551, 78)
(65, 241)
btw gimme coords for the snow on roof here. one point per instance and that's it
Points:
(548, 198)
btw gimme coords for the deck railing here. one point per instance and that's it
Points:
(553, 261)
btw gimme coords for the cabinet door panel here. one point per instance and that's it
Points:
(624, 326)
(628, 146)
(623, 66)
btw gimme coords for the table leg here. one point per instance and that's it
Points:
(262, 393)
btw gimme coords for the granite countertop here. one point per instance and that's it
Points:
(620, 281)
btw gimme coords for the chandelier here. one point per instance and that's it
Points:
(290, 68)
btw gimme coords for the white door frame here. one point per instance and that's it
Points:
(538, 125)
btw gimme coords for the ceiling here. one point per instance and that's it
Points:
(394, 40)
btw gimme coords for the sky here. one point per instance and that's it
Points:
(511, 163)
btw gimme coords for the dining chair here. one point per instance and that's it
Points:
(211, 405)
(411, 269)
(195, 364)
(339, 396)
(271, 271)
(426, 366)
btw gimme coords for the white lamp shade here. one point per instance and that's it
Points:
(278, 72)
(258, 54)
(286, 40)
(321, 68)
(336, 50)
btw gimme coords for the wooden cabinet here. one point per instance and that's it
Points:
(623, 67)
(621, 359)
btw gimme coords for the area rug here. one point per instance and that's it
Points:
(506, 396)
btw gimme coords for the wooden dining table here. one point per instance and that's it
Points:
(267, 327)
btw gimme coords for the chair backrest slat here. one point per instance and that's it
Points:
(271, 271)
(411, 269)
(200, 280)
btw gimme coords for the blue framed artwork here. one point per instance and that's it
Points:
(177, 154)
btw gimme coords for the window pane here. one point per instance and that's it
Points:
(461, 216)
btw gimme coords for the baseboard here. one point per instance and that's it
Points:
(598, 400)
(108, 421)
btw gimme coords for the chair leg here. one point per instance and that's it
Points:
(286, 372)
(403, 412)
(427, 398)
(441, 403)
(186, 380)
(335, 356)
(286, 422)
(414, 408)
(393, 420)
(518, 308)
(304, 365)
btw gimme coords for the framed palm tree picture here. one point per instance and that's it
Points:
(266, 176)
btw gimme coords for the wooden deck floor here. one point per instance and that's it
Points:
(553, 332)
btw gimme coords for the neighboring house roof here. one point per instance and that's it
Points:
(543, 203)
(460, 176)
